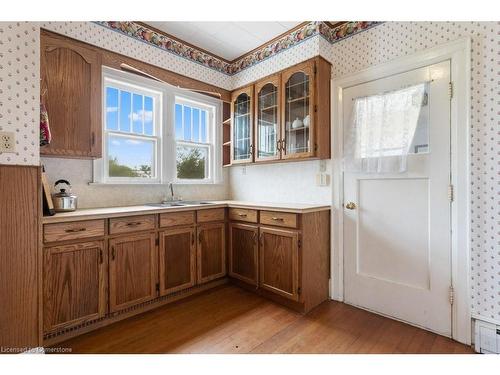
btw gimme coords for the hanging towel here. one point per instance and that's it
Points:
(45, 136)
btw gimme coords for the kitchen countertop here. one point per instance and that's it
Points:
(108, 212)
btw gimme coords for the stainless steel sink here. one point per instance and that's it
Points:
(177, 204)
(166, 204)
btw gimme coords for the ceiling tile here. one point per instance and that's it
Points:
(226, 39)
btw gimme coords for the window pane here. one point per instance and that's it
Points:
(111, 108)
(178, 122)
(125, 110)
(192, 162)
(196, 125)
(137, 114)
(187, 123)
(148, 115)
(203, 137)
(130, 157)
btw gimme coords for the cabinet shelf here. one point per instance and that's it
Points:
(227, 143)
(227, 121)
(268, 108)
(302, 98)
(297, 129)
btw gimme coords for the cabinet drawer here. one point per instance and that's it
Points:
(73, 230)
(212, 214)
(131, 224)
(279, 219)
(242, 214)
(171, 219)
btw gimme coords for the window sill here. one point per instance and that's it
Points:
(114, 183)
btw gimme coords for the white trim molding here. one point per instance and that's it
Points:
(458, 52)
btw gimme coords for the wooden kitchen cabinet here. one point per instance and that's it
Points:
(177, 254)
(71, 89)
(279, 262)
(244, 252)
(267, 119)
(242, 146)
(74, 284)
(291, 116)
(211, 252)
(132, 270)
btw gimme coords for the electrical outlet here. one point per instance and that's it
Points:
(244, 170)
(7, 142)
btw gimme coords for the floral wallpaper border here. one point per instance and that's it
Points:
(313, 28)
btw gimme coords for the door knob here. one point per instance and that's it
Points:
(350, 206)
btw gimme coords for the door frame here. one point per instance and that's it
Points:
(458, 52)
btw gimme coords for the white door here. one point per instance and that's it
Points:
(397, 228)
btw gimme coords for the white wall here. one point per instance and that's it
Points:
(284, 182)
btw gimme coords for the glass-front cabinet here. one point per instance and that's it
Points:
(242, 128)
(283, 116)
(267, 119)
(298, 111)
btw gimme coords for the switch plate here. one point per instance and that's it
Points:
(7, 142)
(322, 179)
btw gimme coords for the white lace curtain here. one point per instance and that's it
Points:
(381, 130)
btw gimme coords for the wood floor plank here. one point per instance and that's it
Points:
(231, 320)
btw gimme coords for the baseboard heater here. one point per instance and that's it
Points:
(487, 337)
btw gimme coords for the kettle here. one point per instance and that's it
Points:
(64, 201)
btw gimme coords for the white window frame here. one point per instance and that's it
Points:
(164, 129)
(209, 144)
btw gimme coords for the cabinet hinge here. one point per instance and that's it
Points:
(451, 295)
(157, 242)
(315, 69)
(451, 193)
(315, 108)
(299, 290)
(158, 287)
(300, 243)
(450, 89)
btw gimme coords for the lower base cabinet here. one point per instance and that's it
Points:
(244, 252)
(132, 270)
(177, 256)
(74, 287)
(279, 262)
(211, 252)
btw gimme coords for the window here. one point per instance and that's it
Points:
(193, 133)
(156, 133)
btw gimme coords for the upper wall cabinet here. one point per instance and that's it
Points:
(71, 89)
(267, 119)
(242, 126)
(291, 116)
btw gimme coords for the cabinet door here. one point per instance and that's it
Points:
(298, 111)
(242, 129)
(177, 266)
(279, 259)
(243, 252)
(267, 116)
(211, 252)
(73, 284)
(71, 88)
(132, 270)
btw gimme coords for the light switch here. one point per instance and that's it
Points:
(322, 179)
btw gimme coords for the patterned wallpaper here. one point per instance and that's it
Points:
(104, 37)
(19, 90)
(394, 39)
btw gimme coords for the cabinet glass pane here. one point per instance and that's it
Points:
(267, 120)
(241, 127)
(297, 116)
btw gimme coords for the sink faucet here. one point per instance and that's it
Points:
(171, 187)
(172, 197)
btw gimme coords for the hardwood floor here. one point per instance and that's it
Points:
(231, 320)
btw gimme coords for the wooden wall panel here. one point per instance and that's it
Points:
(19, 240)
